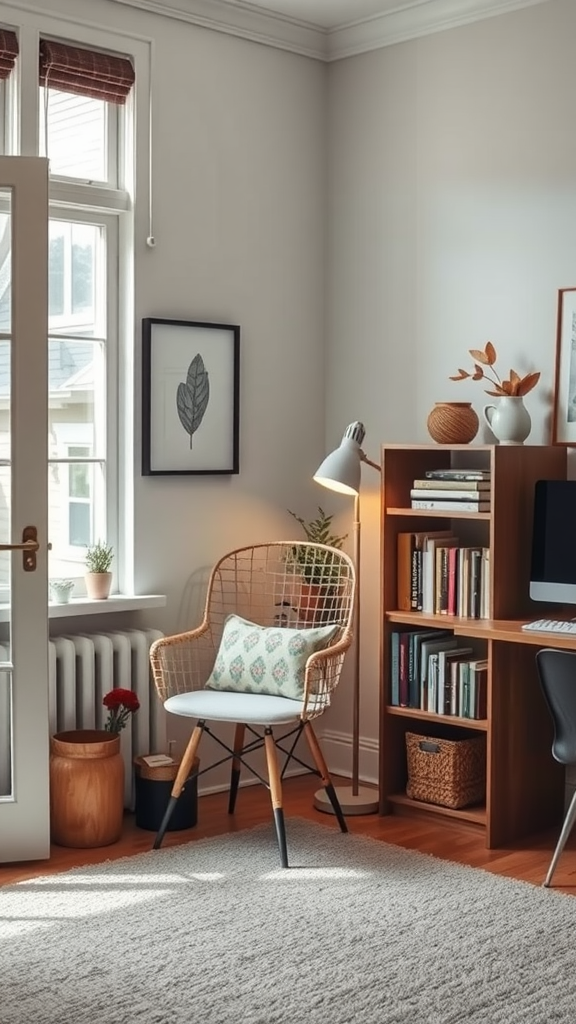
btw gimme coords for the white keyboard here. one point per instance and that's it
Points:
(550, 626)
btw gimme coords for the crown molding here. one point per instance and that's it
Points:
(246, 21)
(241, 20)
(423, 18)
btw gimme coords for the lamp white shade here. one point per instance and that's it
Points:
(341, 470)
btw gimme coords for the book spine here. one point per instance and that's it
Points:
(432, 681)
(464, 690)
(442, 494)
(413, 688)
(457, 474)
(435, 483)
(404, 572)
(451, 506)
(395, 669)
(414, 580)
(452, 580)
(404, 691)
(475, 567)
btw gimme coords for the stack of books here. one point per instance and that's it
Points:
(430, 671)
(452, 490)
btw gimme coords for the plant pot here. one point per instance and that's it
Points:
(61, 592)
(98, 585)
(453, 423)
(317, 603)
(86, 788)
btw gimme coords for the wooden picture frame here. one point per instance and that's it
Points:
(190, 397)
(564, 406)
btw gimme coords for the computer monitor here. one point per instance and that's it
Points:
(553, 562)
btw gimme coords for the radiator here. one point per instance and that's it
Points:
(81, 669)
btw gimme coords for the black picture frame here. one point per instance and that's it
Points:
(190, 397)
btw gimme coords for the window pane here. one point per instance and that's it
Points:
(76, 278)
(79, 524)
(76, 127)
(5, 264)
(76, 397)
(79, 486)
(75, 519)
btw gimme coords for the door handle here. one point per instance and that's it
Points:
(28, 547)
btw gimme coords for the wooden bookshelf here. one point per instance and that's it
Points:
(524, 785)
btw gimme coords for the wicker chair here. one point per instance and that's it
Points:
(277, 586)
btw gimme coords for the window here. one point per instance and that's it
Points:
(82, 116)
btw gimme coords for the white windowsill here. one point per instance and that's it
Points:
(80, 606)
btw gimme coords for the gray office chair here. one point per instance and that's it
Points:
(557, 672)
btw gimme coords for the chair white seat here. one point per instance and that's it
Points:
(228, 706)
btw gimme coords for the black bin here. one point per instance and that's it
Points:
(152, 793)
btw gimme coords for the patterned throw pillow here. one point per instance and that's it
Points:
(261, 659)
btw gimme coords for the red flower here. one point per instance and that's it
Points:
(120, 703)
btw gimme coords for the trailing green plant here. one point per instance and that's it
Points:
(316, 566)
(99, 557)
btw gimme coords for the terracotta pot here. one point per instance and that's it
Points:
(453, 423)
(86, 788)
(98, 585)
(318, 604)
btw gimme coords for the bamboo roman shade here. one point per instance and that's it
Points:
(86, 72)
(8, 52)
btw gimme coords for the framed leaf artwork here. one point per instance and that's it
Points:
(564, 405)
(190, 397)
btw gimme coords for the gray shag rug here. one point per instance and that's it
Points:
(215, 932)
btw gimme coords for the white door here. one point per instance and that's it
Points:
(24, 744)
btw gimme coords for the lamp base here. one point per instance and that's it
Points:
(365, 801)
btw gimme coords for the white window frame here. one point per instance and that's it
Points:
(106, 419)
(134, 170)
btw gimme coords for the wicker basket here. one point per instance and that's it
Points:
(451, 773)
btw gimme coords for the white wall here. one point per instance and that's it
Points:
(239, 162)
(451, 171)
(452, 220)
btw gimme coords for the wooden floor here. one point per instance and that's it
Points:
(527, 860)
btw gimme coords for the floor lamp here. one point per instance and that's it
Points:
(341, 471)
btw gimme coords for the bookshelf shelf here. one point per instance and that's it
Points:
(480, 724)
(524, 785)
(475, 815)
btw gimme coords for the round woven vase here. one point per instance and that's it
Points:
(453, 423)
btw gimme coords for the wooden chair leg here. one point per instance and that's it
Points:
(236, 766)
(183, 773)
(276, 793)
(318, 756)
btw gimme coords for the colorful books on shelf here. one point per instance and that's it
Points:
(429, 671)
(438, 576)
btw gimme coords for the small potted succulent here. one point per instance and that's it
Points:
(98, 576)
(61, 590)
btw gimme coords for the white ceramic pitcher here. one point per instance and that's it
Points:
(509, 421)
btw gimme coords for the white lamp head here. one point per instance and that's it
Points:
(341, 470)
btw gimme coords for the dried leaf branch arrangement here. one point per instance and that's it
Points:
(484, 369)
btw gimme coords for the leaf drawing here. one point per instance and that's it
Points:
(192, 397)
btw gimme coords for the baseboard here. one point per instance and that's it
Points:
(337, 749)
